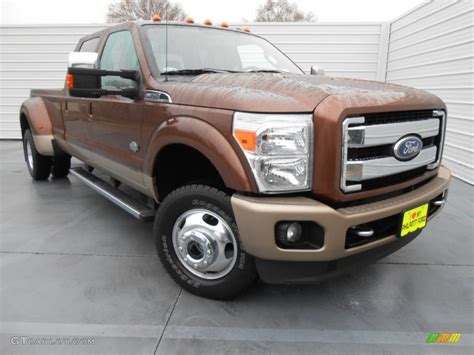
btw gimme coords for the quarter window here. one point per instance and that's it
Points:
(90, 45)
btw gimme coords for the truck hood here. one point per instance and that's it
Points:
(275, 92)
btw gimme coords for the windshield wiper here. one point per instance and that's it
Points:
(196, 71)
(264, 71)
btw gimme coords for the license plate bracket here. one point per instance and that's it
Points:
(412, 220)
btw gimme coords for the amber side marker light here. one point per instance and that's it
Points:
(208, 22)
(246, 139)
(189, 20)
(156, 18)
(70, 81)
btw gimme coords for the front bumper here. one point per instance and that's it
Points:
(257, 216)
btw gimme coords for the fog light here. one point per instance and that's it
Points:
(299, 235)
(293, 233)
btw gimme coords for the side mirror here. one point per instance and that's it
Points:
(315, 70)
(83, 60)
(84, 80)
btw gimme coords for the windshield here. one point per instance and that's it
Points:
(196, 48)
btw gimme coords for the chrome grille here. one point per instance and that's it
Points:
(368, 145)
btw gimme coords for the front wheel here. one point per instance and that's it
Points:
(198, 243)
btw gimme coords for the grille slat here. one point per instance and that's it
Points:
(395, 117)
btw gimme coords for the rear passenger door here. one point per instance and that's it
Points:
(115, 121)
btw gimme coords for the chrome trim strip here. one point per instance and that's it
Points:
(158, 96)
(345, 141)
(380, 134)
(375, 168)
(442, 115)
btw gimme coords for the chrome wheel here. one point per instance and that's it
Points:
(29, 156)
(204, 244)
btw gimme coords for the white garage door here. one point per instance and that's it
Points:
(432, 48)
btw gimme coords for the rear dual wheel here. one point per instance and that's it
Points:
(198, 243)
(41, 166)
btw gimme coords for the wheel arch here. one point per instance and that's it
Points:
(34, 116)
(205, 139)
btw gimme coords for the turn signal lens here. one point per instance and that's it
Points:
(246, 139)
(70, 81)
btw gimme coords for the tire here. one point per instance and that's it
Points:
(38, 165)
(61, 166)
(183, 215)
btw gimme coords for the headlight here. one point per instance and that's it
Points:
(278, 148)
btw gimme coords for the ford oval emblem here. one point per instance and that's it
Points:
(407, 148)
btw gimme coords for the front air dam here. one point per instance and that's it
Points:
(257, 216)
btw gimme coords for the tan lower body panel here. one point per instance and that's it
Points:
(44, 144)
(133, 178)
(257, 216)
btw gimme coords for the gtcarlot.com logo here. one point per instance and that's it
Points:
(25, 340)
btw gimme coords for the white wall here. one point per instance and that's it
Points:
(432, 48)
(32, 57)
(342, 49)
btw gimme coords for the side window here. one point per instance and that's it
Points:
(119, 53)
(90, 45)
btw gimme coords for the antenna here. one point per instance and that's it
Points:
(166, 39)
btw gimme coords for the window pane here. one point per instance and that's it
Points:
(90, 45)
(197, 48)
(119, 53)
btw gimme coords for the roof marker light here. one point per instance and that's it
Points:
(246, 29)
(208, 22)
(156, 18)
(225, 24)
(189, 19)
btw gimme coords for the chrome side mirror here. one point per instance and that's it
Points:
(315, 70)
(87, 60)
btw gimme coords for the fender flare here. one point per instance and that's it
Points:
(39, 122)
(206, 139)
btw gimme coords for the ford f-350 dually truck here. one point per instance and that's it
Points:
(251, 167)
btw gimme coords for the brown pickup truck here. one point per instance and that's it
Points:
(248, 167)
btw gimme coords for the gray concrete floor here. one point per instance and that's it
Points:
(74, 265)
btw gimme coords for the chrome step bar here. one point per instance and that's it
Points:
(137, 209)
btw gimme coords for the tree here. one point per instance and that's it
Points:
(282, 11)
(131, 10)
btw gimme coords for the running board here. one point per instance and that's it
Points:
(137, 209)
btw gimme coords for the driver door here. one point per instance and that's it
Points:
(115, 121)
